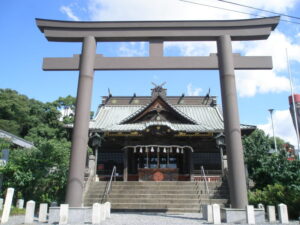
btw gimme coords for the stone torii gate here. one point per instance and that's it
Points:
(156, 32)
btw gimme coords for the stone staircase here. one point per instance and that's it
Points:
(164, 196)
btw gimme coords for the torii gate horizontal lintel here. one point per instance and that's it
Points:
(158, 63)
(203, 30)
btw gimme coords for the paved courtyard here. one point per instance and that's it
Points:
(144, 219)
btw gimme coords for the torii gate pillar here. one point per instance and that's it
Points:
(81, 125)
(156, 32)
(236, 168)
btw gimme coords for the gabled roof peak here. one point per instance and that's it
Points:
(158, 110)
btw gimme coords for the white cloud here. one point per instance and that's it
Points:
(189, 48)
(131, 49)
(193, 91)
(249, 83)
(252, 82)
(275, 46)
(179, 10)
(155, 10)
(272, 5)
(68, 11)
(283, 126)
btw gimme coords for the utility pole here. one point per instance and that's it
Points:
(271, 112)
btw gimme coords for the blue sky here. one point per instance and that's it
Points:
(23, 47)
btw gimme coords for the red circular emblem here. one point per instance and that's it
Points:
(158, 176)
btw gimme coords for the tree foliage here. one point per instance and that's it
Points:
(40, 173)
(276, 179)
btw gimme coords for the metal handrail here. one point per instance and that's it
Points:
(108, 185)
(205, 181)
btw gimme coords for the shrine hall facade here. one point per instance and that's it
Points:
(160, 137)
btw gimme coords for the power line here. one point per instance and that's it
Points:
(263, 10)
(231, 10)
(216, 7)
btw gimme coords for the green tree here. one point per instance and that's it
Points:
(14, 112)
(66, 103)
(40, 173)
(276, 179)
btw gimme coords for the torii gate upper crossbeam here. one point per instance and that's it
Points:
(238, 30)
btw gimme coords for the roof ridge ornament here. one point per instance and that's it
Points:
(158, 90)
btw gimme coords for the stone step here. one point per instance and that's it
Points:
(157, 192)
(149, 206)
(158, 196)
(133, 189)
(164, 201)
(95, 189)
(159, 201)
(171, 196)
(158, 183)
(159, 186)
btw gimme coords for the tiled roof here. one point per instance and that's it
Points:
(208, 119)
(16, 140)
(170, 105)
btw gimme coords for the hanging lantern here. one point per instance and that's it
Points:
(141, 150)
(152, 149)
(134, 150)
(177, 150)
(171, 150)
(157, 149)
(165, 150)
(146, 150)
(182, 151)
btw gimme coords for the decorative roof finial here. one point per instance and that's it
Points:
(159, 90)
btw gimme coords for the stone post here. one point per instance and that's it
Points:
(283, 213)
(102, 212)
(250, 214)
(29, 215)
(81, 124)
(216, 214)
(207, 213)
(107, 208)
(7, 204)
(43, 212)
(235, 157)
(92, 166)
(63, 214)
(96, 216)
(20, 203)
(271, 213)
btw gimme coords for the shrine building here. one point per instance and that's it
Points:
(160, 137)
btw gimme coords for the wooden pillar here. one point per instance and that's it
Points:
(158, 157)
(125, 170)
(96, 160)
(191, 164)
